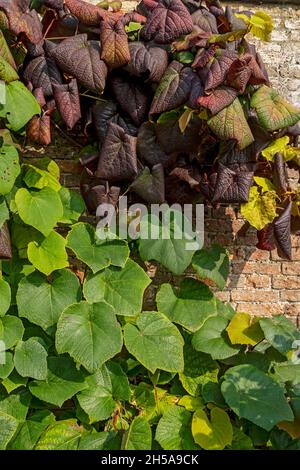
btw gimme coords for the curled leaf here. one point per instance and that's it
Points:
(22, 20)
(147, 62)
(105, 112)
(265, 238)
(243, 70)
(233, 184)
(168, 20)
(117, 160)
(282, 232)
(41, 71)
(280, 173)
(218, 68)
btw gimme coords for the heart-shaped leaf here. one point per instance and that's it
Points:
(117, 160)
(80, 58)
(90, 333)
(148, 148)
(50, 254)
(96, 253)
(260, 210)
(87, 13)
(64, 380)
(218, 68)
(5, 297)
(168, 20)
(122, 288)
(9, 168)
(243, 70)
(243, 329)
(233, 184)
(11, 331)
(132, 97)
(212, 264)
(114, 43)
(39, 129)
(230, 123)
(273, 111)
(218, 99)
(39, 72)
(213, 434)
(173, 89)
(280, 333)
(173, 431)
(188, 306)
(68, 102)
(30, 359)
(147, 62)
(40, 209)
(42, 300)
(150, 185)
(155, 342)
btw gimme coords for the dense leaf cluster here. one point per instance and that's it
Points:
(82, 365)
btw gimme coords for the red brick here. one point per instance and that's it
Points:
(290, 295)
(236, 281)
(292, 309)
(254, 267)
(257, 255)
(261, 309)
(258, 281)
(255, 295)
(291, 267)
(286, 282)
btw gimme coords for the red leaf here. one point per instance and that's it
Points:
(243, 70)
(266, 238)
(205, 20)
(40, 72)
(167, 21)
(218, 68)
(147, 62)
(114, 43)
(218, 99)
(68, 102)
(117, 160)
(39, 129)
(87, 13)
(203, 56)
(80, 58)
(22, 20)
(133, 16)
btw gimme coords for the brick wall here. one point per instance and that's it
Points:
(260, 282)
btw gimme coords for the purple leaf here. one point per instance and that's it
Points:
(174, 88)
(118, 161)
(169, 20)
(205, 20)
(105, 112)
(68, 102)
(148, 148)
(150, 185)
(41, 72)
(280, 173)
(80, 58)
(265, 238)
(218, 68)
(148, 63)
(132, 98)
(282, 232)
(233, 184)
(22, 20)
(87, 13)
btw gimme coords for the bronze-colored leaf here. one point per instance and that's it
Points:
(68, 102)
(87, 13)
(218, 99)
(147, 62)
(114, 43)
(22, 20)
(39, 129)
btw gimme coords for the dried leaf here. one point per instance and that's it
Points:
(150, 184)
(168, 20)
(68, 102)
(114, 43)
(117, 160)
(173, 89)
(80, 58)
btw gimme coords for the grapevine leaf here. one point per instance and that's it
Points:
(218, 99)
(96, 253)
(147, 62)
(68, 102)
(173, 431)
(73, 206)
(212, 264)
(243, 329)
(213, 434)
(30, 359)
(272, 110)
(150, 185)
(253, 395)
(122, 288)
(90, 333)
(260, 210)
(280, 333)
(39, 129)
(114, 43)
(218, 68)
(139, 436)
(50, 254)
(155, 342)
(11, 330)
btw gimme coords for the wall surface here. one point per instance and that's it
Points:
(260, 282)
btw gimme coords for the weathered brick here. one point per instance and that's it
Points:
(224, 296)
(257, 255)
(255, 267)
(255, 295)
(258, 281)
(292, 308)
(290, 295)
(261, 309)
(291, 267)
(286, 282)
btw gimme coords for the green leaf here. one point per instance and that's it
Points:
(155, 342)
(122, 288)
(253, 395)
(31, 359)
(277, 146)
(97, 441)
(5, 51)
(63, 381)
(119, 381)
(40, 209)
(244, 329)
(63, 435)
(231, 123)
(5, 297)
(273, 111)
(96, 253)
(264, 183)
(199, 369)
(90, 333)
(171, 245)
(42, 300)
(50, 254)
(6, 363)
(73, 206)
(4, 213)
(240, 441)
(188, 306)
(30, 431)
(212, 264)
(287, 372)
(11, 330)
(260, 24)
(16, 404)
(8, 427)
(22, 235)
(97, 400)
(139, 435)
(173, 431)
(39, 179)
(9, 168)
(213, 434)
(20, 105)
(280, 333)
(14, 381)
(212, 339)
(260, 210)
(191, 403)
